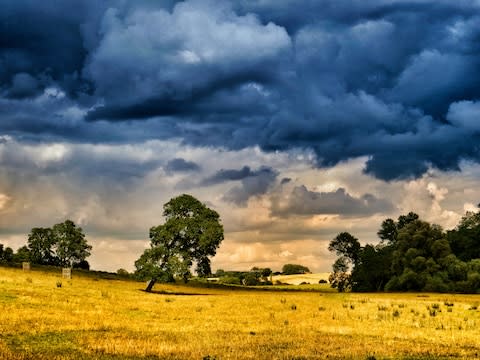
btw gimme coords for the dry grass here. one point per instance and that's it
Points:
(87, 319)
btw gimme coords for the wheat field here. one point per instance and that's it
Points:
(88, 318)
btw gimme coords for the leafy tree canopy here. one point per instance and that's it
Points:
(413, 255)
(291, 269)
(71, 245)
(64, 244)
(191, 234)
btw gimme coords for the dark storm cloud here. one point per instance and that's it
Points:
(181, 165)
(302, 201)
(252, 182)
(86, 164)
(42, 40)
(230, 175)
(395, 81)
(256, 183)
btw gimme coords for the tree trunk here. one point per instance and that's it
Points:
(150, 285)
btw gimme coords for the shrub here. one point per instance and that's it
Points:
(123, 273)
(250, 280)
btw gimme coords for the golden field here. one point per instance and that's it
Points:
(297, 279)
(89, 318)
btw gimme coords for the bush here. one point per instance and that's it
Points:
(323, 281)
(82, 265)
(123, 273)
(250, 280)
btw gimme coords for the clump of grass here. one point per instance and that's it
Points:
(283, 300)
(59, 284)
(474, 306)
(436, 306)
(382, 308)
(433, 312)
(401, 306)
(105, 294)
(448, 304)
(321, 308)
(352, 307)
(29, 280)
(396, 313)
(169, 300)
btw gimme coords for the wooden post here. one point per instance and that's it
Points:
(67, 273)
(26, 266)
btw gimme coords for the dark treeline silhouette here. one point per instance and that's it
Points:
(64, 244)
(413, 255)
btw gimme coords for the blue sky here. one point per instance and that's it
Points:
(293, 119)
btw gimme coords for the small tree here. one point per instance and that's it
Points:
(191, 233)
(22, 254)
(292, 269)
(7, 254)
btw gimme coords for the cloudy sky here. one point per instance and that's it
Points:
(295, 120)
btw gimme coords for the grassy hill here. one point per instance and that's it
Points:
(297, 279)
(93, 318)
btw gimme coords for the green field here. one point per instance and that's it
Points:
(88, 318)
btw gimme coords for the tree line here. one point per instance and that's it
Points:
(63, 244)
(413, 255)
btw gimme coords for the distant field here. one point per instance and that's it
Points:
(87, 318)
(301, 278)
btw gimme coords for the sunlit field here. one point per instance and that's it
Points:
(86, 318)
(300, 278)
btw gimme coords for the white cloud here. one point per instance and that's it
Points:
(4, 199)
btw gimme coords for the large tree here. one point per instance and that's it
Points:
(41, 242)
(71, 245)
(348, 248)
(191, 234)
